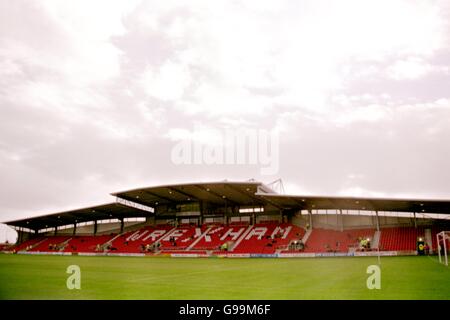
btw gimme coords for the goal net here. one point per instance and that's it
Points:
(443, 246)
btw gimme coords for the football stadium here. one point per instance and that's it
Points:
(232, 240)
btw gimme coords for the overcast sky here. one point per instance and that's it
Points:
(95, 94)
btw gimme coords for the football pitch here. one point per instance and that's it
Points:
(44, 277)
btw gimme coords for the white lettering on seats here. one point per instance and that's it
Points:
(155, 235)
(136, 236)
(258, 231)
(175, 234)
(279, 229)
(207, 236)
(234, 235)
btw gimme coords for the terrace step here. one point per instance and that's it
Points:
(306, 236)
(63, 244)
(376, 240)
(34, 245)
(241, 237)
(198, 239)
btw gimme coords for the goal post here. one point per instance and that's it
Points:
(443, 245)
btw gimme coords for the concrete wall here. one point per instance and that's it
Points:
(300, 220)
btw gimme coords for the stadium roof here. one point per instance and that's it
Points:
(112, 210)
(357, 203)
(242, 193)
(249, 193)
(257, 193)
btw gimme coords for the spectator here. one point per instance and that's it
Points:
(301, 246)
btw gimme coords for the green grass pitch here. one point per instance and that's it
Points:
(44, 277)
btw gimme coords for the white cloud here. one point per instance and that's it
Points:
(72, 39)
(368, 113)
(9, 68)
(167, 82)
(88, 27)
(294, 188)
(413, 68)
(202, 134)
(357, 191)
(303, 55)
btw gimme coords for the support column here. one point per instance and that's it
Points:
(444, 239)
(19, 235)
(310, 219)
(75, 228)
(378, 220)
(226, 212)
(438, 247)
(415, 221)
(56, 230)
(200, 220)
(379, 238)
(342, 220)
(95, 227)
(122, 225)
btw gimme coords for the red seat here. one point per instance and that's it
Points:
(323, 240)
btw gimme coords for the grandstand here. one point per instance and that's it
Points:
(235, 219)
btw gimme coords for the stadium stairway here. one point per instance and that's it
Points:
(110, 241)
(63, 244)
(50, 244)
(241, 238)
(29, 244)
(86, 243)
(306, 236)
(203, 234)
(376, 240)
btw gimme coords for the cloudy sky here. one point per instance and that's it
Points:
(95, 94)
